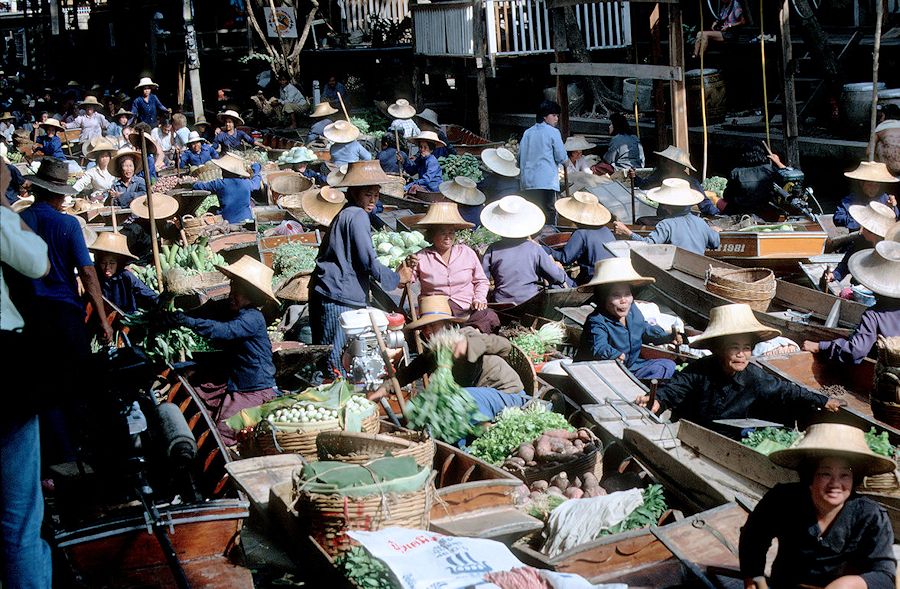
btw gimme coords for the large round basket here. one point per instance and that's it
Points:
(282, 183)
(577, 467)
(753, 286)
(521, 363)
(887, 483)
(291, 438)
(296, 287)
(885, 411)
(360, 448)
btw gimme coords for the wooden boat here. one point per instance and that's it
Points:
(114, 546)
(680, 278)
(465, 141)
(268, 245)
(546, 303)
(412, 203)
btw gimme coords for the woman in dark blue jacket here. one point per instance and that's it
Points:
(425, 165)
(587, 245)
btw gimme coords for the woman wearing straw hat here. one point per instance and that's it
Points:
(463, 191)
(871, 183)
(617, 328)
(828, 536)
(147, 107)
(424, 165)
(120, 287)
(91, 122)
(587, 245)
(726, 385)
(345, 148)
(119, 122)
(878, 270)
(874, 220)
(231, 138)
(237, 326)
(679, 226)
(98, 179)
(49, 144)
(347, 260)
(674, 163)
(428, 121)
(403, 113)
(575, 146)
(125, 165)
(7, 126)
(234, 188)
(517, 265)
(198, 152)
(322, 112)
(453, 269)
(501, 173)
(541, 152)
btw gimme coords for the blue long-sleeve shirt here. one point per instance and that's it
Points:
(317, 130)
(684, 230)
(147, 111)
(232, 142)
(15, 183)
(541, 152)
(388, 159)
(518, 267)
(347, 260)
(51, 146)
(126, 291)
(320, 179)
(655, 179)
(842, 216)
(881, 319)
(189, 158)
(495, 186)
(137, 187)
(604, 338)
(234, 194)
(587, 247)
(347, 153)
(429, 171)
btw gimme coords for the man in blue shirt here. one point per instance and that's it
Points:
(331, 91)
(541, 152)
(198, 151)
(147, 107)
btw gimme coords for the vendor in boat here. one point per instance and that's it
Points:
(299, 159)
(874, 221)
(388, 153)
(231, 138)
(501, 173)
(541, 152)
(98, 179)
(575, 146)
(625, 151)
(322, 113)
(517, 265)
(424, 165)
(427, 120)
(678, 226)
(463, 191)
(675, 163)
(828, 535)
(322, 205)
(234, 188)
(137, 228)
(403, 113)
(198, 152)
(347, 260)
(617, 328)
(345, 148)
(587, 244)
(49, 144)
(124, 165)
(452, 269)
(119, 286)
(237, 326)
(872, 182)
(878, 270)
(749, 187)
(725, 385)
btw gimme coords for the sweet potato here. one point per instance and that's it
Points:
(590, 480)
(539, 485)
(561, 481)
(531, 463)
(542, 447)
(557, 446)
(515, 460)
(526, 452)
(585, 435)
(577, 482)
(555, 491)
(561, 434)
(597, 491)
(574, 493)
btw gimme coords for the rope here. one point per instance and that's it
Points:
(637, 126)
(703, 98)
(762, 52)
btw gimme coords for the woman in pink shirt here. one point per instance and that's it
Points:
(453, 269)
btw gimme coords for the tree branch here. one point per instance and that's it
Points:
(259, 32)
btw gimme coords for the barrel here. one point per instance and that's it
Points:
(891, 96)
(714, 87)
(856, 102)
(644, 94)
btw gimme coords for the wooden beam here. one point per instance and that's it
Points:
(478, 34)
(677, 90)
(659, 95)
(618, 70)
(788, 97)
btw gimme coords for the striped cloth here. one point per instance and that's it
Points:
(325, 322)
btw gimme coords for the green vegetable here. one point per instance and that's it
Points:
(539, 342)
(165, 346)
(147, 275)
(514, 427)
(461, 165)
(292, 257)
(477, 239)
(879, 443)
(769, 439)
(644, 516)
(366, 571)
(209, 202)
(394, 247)
(715, 184)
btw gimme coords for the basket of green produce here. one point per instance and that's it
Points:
(461, 165)
(889, 482)
(537, 343)
(361, 448)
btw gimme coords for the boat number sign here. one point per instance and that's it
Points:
(732, 248)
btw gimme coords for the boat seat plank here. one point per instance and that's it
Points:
(708, 540)
(256, 476)
(504, 524)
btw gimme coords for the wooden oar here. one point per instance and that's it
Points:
(344, 107)
(154, 239)
(415, 317)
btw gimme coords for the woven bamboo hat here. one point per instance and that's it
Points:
(893, 234)
(364, 173)
(122, 112)
(251, 272)
(194, 137)
(462, 190)
(735, 319)
(585, 208)
(230, 162)
(341, 132)
(677, 155)
(146, 82)
(429, 116)
(323, 204)
(200, 120)
(443, 214)
(615, 271)
(578, 143)
(90, 236)
(336, 176)
(164, 206)
(153, 148)
(871, 172)
(51, 122)
(91, 101)
(432, 309)
(116, 161)
(112, 242)
(513, 216)
(675, 192)
(878, 269)
(230, 114)
(402, 109)
(429, 136)
(836, 440)
(876, 217)
(323, 109)
(96, 145)
(500, 161)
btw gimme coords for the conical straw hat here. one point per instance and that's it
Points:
(230, 114)
(90, 236)
(153, 148)
(432, 309)
(578, 143)
(252, 272)
(444, 213)
(893, 233)
(164, 206)
(429, 116)
(429, 136)
(735, 319)
(115, 163)
(585, 208)
(233, 163)
(876, 217)
(335, 177)
(323, 109)
(615, 271)
(835, 440)
(323, 204)
(872, 172)
(91, 149)
(341, 132)
(146, 82)
(500, 161)
(677, 155)
(364, 173)
(402, 109)
(462, 190)
(878, 269)
(675, 192)
(112, 242)
(513, 216)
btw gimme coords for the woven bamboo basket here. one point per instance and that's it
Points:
(887, 384)
(293, 438)
(180, 282)
(295, 288)
(885, 411)
(887, 483)
(360, 448)
(194, 226)
(521, 363)
(284, 183)
(753, 286)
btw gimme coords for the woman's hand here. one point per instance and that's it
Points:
(462, 346)
(621, 229)
(813, 347)
(892, 200)
(377, 394)
(833, 405)
(643, 400)
(405, 274)
(412, 262)
(415, 188)
(479, 305)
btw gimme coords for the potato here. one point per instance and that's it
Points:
(542, 447)
(577, 483)
(560, 433)
(574, 493)
(590, 480)
(515, 460)
(536, 495)
(555, 491)
(526, 452)
(539, 485)
(531, 463)
(585, 435)
(561, 481)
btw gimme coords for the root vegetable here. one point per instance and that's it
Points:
(561, 434)
(557, 446)
(539, 485)
(561, 481)
(536, 495)
(531, 463)
(574, 493)
(595, 492)
(577, 483)
(542, 447)
(585, 435)
(555, 491)
(526, 452)
(590, 480)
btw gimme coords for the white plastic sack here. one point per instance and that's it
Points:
(581, 520)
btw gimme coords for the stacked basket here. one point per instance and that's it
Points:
(360, 448)
(752, 286)
(885, 397)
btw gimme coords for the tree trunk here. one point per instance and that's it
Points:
(817, 39)
(601, 93)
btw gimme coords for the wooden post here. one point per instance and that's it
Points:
(154, 238)
(879, 17)
(193, 57)
(484, 121)
(659, 97)
(679, 98)
(789, 122)
(559, 50)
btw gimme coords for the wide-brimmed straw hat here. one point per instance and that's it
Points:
(194, 137)
(53, 176)
(233, 163)
(201, 120)
(429, 116)
(735, 319)
(432, 309)
(834, 440)
(677, 155)
(121, 112)
(323, 204)
(91, 101)
(230, 114)
(115, 161)
(893, 233)
(500, 161)
(675, 192)
(112, 242)
(513, 216)
(402, 109)
(153, 148)
(462, 190)
(429, 136)
(51, 122)
(878, 269)
(93, 147)
(615, 271)
(251, 272)
(364, 173)
(90, 236)
(146, 82)
(444, 214)
(578, 143)
(323, 109)
(7, 116)
(164, 206)
(336, 176)
(585, 208)
(871, 172)
(341, 132)
(876, 217)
